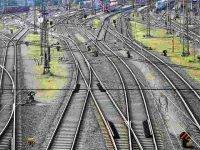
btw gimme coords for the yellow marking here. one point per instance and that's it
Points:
(150, 76)
(80, 38)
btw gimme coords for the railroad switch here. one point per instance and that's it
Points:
(51, 23)
(11, 31)
(101, 87)
(115, 23)
(96, 53)
(58, 48)
(85, 16)
(114, 130)
(142, 18)
(147, 132)
(89, 48)
(31, 95)
(165, 53)
(128, 54)
(14, 68)
(77, 88)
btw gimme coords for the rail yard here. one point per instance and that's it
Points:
(99, 75)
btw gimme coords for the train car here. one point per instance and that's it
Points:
(162, 5)
(140, 2)
(114, 8)
(18, 9)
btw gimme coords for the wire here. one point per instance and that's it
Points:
(111, 89)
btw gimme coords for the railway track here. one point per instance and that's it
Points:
(128, 79)
(111, 53)
(103, 120)
(82, 65)
(148, 143)
(178, 28)
(110, 112)
(6, 107)
(191, 127)
(8, 94)
(18, 95)
(183, 89)
(68, 126)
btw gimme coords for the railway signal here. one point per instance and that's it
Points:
(31, 95)
(128, 54)
(147, 132)
(165, 53)
(115, 23)
(186, 140)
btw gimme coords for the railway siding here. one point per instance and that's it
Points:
(172, 44)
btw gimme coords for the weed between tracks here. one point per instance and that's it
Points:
(58, 77)
(96, 23)
(160, 41)
(1, 26)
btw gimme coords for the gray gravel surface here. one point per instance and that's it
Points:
(90, 136)
(107, 74)
(37, 118)
(156, 83)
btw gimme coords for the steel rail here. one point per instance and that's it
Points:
(12, 115)
(89, 91)
(49, 144)
(5, 56)
(131, 40)
(179, 27)
(94, 99)
(1, 78)
(141, 83)
(84, 106)
(113, 102)
(169, 68)
(137, 82)
(166, 77)
(16, 86)
(122, 82)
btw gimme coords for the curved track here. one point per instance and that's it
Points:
(110, 112)
(8, 94)
(184, 90)
(66, 132)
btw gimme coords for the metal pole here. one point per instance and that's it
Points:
(149, 23)
(187, 28)
(35, 30)
(44, 40)
(173, 42)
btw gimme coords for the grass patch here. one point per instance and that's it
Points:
(79, 39)
(9, 27)
(96, 23)
(57, 80)
(160, 41)
(1, 26)
(14, 28)
(115, 17)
